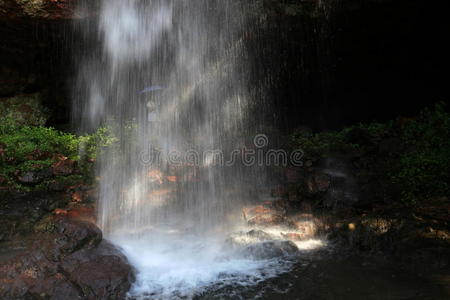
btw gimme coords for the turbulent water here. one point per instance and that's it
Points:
(170, 80)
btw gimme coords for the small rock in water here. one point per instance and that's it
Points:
(269, 249)
(242, 239)
(259, 234)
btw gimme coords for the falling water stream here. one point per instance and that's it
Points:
(169, 78)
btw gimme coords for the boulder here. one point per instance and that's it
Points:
(67, 259)
(269, 249)
(241, 239)
(259, 235)
(19, 212)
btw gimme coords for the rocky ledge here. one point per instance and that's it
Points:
(66, 258)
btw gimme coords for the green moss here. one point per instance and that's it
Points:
(21, 110)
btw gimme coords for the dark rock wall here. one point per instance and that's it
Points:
(323, 64)
(35, 58)
(342, 62)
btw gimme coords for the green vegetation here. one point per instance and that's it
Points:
(406, 160)
(35, 149)
(21, 110)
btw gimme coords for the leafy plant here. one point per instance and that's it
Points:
(407, 160)
(32, 148)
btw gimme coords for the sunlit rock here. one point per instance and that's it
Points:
(263, 215)
(242, 239)
(294, 236)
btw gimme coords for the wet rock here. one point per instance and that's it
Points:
(66, 259)
(263, 215)
(294, 175)
(33, 177)
(82, 193)
(318, 182)
(242, 239)
(307, 228)
(266, 220)
(38, 155)
(85, 213)
(63, 167)
(269, 249)
(259, 235)
(294, 236)
(19, 212)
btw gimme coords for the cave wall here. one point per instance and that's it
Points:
(36, 45)
(324, 64)
(342, 62)
(34, 59)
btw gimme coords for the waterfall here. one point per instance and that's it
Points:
(170, 80)
(170, 76)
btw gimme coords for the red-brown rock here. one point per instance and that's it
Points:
(64, 166)
(38, 155)
(83, 213)
(263, 215)
(66, 259)
(155, 176)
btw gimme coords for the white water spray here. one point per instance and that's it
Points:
(170, 77)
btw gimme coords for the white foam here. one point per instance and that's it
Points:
(310, 244)
(175, 267)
